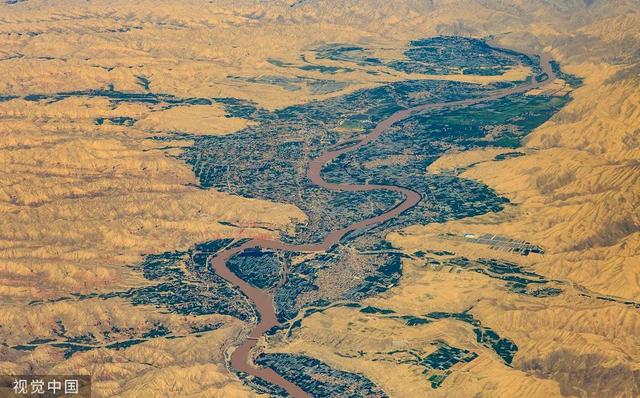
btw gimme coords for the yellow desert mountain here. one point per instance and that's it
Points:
(321, 198)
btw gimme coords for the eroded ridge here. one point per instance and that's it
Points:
(263, 300)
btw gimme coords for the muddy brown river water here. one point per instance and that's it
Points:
(263, 300)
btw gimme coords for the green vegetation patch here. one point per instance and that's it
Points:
(319, 379)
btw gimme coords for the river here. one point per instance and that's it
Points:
(263, 300)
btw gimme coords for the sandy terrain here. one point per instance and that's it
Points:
(81, 201)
